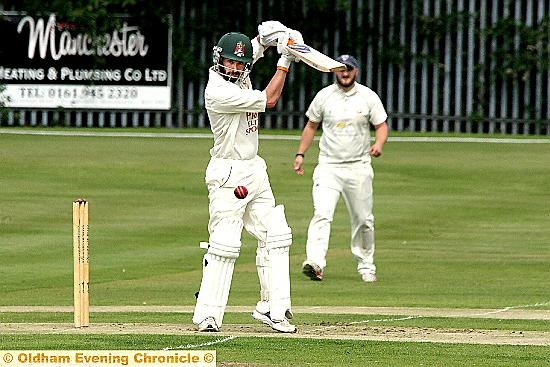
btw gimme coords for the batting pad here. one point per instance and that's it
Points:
(217, 273)
(279, 239)
(214, 291)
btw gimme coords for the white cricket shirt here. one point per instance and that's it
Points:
(233, 112)
(346, 117)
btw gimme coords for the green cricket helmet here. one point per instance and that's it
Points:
(233, 46)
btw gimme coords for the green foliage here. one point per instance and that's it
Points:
(523, 49)
(2, 89)
(3, 100)
(437, 27)
(98, 8)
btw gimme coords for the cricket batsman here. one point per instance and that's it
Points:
(233, 108)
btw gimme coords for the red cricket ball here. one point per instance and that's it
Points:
(240, 192)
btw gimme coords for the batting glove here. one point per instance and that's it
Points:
(291, 36)
(270, 31)
(295, 36)
(285, 60)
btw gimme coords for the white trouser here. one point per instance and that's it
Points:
(354, 182)
(222, 176)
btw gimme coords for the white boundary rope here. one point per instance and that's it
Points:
(420, 139)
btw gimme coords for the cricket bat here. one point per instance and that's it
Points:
(314, 58)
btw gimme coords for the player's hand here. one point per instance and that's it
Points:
(270, 31)
(298, 165)
(285, 55)
(290, 37)
(375, 150)
(282, 41)
(295, 36)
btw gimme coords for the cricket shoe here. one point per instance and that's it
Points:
(281, 326)
(368, 277)
(209, 325)
(312, 270)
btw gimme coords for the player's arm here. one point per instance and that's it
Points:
(275, 88)
(380, 138)
(305, 142)
(273, 33)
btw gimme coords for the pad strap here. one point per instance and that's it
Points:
(225, 240)
(279, 233)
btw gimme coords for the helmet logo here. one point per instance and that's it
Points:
(239, 49)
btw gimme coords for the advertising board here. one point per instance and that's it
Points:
(49, 63)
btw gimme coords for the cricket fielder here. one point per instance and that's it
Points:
(233, 109)
(346, 109)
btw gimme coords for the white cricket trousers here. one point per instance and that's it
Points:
(222, 176)
(352, 181)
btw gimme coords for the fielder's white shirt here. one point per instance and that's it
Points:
(233, 112)
(346, 117)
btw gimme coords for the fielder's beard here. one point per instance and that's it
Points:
(345, 84)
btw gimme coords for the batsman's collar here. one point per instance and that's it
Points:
(348, 60)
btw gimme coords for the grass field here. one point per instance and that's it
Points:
(459, 225)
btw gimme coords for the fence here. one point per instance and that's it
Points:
(473, 66)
